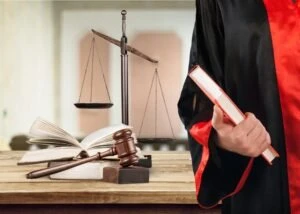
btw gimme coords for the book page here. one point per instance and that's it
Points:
(44, 129)
(57, 153)
(230, 109)
(109, 142)
(45, 155)
(52, 141)
(206, 84)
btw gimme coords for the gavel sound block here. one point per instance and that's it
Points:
(129, 174)
(126, 175)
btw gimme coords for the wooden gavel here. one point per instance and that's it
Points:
(124, 147)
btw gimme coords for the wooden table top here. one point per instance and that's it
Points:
(171, 182)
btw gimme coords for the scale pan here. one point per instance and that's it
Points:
(93, 105)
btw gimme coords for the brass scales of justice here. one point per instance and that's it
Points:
(124, 78)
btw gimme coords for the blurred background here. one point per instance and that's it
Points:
(44, 49)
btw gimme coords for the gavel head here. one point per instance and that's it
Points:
(125, 148)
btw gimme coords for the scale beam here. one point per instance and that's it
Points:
(128, 48)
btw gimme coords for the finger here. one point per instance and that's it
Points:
(269, 139)
(226, 119)
(262, 141)
(247, 125)
(256, 133)
(266, 143)
(218, 118)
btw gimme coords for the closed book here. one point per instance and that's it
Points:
(87, 171)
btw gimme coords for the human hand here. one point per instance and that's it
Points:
(248, 138)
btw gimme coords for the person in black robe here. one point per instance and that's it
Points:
(252, 50)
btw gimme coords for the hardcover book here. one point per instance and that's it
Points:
(220, 98)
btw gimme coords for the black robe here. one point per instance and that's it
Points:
(232, 42)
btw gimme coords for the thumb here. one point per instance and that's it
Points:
(218, 118)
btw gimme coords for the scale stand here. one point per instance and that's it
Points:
(124, 71)
(124, 63)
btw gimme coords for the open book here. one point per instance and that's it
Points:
(220, 98)
(67, 147)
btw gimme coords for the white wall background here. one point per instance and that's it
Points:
(26, 63)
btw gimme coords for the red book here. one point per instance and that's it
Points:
(221, 99)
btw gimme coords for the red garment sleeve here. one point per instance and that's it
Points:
(201, 133)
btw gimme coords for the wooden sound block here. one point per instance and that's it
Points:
(126, 175)
(146, 161)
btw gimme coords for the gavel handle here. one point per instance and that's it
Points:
(62, 167)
